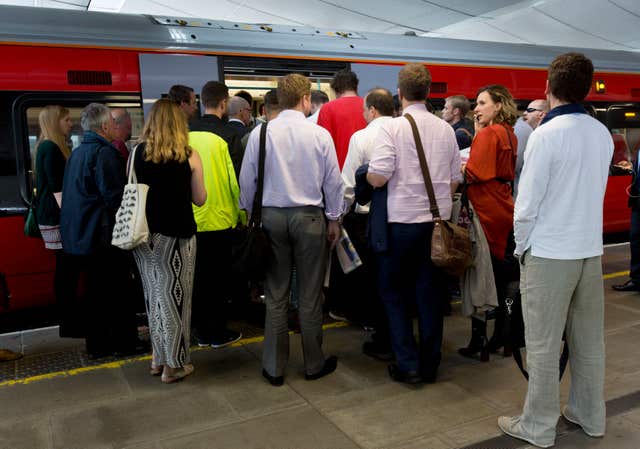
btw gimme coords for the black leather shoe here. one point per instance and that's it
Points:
(629, 286)
(407, 377)
(329, 366)
(276, 381)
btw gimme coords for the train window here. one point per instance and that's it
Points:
(624, 123)
(10, 198)
(33, 129)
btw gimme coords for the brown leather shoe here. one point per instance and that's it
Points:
(8, 356)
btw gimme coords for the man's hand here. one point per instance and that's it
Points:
(333, 233)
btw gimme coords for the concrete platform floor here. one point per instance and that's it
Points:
(226, 403)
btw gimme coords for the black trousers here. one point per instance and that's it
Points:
(101, 289)
(211, 287)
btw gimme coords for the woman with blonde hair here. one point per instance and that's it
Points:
(52, 152)
(489, 175)
(164, 161)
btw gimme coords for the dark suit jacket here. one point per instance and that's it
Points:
(238, 127)
(377, 227)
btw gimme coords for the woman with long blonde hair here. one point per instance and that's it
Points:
(52, 152)
(164, 161)
(489, 175)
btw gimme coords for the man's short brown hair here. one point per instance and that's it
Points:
(180, 94)
(291, 89)
(459, 102)
(414, 81)
(213, 93)
(570, 77)
(381, 99)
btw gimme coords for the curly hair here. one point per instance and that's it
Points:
(414, 81)
(166, 134)
(570, 77)
(343, 81)
(508, 112)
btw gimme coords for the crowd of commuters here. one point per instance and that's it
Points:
(357, 167)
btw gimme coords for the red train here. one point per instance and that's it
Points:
(73, 58)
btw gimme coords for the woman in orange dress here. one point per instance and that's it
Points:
(489, 176)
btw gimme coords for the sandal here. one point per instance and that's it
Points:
(177, 375)
(156, 370)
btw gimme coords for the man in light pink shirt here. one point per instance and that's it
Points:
(407, 262)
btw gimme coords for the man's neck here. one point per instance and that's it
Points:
(348, 93)
(555, 102)
(213, 111)
(455, 120)
(406, 103)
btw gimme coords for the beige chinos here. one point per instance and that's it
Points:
(559, 294)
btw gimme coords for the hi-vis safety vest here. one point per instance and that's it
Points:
(221, 209)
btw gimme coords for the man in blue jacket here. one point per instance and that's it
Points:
(94, 181)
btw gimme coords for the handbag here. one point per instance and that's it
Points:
(450, 242)
(251, 251)
(31, 228)
(131, 228)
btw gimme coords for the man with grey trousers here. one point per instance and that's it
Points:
(302, 202)
(558, 233)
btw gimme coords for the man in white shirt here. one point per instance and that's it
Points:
(302, 202)
(558, 233)
(362, 282)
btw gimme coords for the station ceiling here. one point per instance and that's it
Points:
(603, 24)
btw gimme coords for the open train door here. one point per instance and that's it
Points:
(377, 75)
(623, 120)
(158, 72)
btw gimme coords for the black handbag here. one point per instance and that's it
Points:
(251, 253)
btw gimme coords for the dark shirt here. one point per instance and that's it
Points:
(122, 148)
(217, 126)
(94, 180)
(169, 211)
(238, 127)
(464, 133)
(50, 164)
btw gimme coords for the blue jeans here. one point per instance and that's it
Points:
(407, 277)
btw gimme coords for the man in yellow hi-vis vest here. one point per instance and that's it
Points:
(216, 220)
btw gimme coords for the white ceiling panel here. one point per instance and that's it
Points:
(605, 24)
(595, 17)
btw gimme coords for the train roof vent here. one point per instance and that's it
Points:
(89, 77)
(438, 88)
(635, 92)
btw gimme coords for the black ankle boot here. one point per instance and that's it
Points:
(478, 343)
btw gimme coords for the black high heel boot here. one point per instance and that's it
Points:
(478, 343)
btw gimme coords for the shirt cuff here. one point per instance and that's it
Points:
(380, 171)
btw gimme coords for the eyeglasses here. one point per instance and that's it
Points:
(530, 110)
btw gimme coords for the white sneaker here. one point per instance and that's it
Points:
(509, 425)
(574, 420)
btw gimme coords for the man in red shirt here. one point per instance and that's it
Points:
(343, 116)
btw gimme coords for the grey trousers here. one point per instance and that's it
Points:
(297, 235)
(555, 294)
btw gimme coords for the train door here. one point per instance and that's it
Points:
(259, 75)
(623, 120)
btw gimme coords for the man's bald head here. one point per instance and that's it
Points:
(122, 121)
(535, 112)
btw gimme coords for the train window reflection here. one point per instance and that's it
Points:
(626, 142)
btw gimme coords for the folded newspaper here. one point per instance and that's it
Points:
(346, 252)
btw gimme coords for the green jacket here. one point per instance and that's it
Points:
(221, 209)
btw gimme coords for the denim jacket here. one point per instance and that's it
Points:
(377, 234)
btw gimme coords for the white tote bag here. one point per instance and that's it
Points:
(131, 228)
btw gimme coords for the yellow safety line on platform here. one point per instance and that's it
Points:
(120, 363)
(619, 274)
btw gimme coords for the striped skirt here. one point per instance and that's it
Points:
(166, 266)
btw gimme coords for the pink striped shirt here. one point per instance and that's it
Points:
(395, 158)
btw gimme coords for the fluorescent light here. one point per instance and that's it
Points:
(106, 5)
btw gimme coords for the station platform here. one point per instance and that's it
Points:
(55, 398)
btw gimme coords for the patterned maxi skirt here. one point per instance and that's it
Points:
(166, 266)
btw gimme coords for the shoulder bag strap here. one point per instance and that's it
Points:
(132, 166)
(433, 205)
(256, 212)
